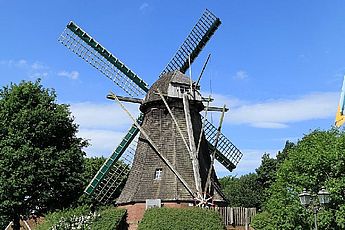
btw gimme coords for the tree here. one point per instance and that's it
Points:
(243, 191)
(317, 160)
(268, 169)
(41, 159)
(251, 190)
(91, 167)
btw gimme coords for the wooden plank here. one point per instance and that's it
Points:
(192, 147)
(246, 218)
(126, 99)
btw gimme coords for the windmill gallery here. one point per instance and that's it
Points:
(167, 155)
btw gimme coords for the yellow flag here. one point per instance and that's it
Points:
(340, 117)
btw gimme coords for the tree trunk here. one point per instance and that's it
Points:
(16, 222)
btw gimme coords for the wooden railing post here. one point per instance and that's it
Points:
(246, 218)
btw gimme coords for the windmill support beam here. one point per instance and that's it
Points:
(202, 126)
(207, 99)
(213, 156)
(126, 99)
(155, 148)
(174, 119)
(193, 153)
(216, 109)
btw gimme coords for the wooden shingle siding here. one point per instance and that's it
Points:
(160, 127)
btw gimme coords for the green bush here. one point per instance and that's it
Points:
(105, 218)
(181, 219)
(263, 221)
(54, 218)
(108, 218)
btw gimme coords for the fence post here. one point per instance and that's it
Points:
(246, 218)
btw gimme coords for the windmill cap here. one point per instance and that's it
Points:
(165, 84)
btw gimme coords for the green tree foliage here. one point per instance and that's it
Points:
(317, 160)
(41, 159)
(266, 172)
(244, 191)
(181, 219)
(268, 169)
(91, 167)
(251, 190)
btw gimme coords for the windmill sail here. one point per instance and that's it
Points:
(195, 41)
(340, 116)
(115, 169)
(80, 43)
(226, 153)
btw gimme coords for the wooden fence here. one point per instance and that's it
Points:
(236, 216)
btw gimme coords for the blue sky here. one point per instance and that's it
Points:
(278, 65)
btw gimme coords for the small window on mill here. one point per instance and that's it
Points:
(158, 174)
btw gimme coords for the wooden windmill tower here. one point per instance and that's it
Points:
(171, 160)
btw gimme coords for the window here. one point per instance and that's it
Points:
(184, 89)
(158, 174)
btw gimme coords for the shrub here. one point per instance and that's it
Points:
(180, 219)
(263, 221)
(108, 218)
(81, 218)
(54, 218)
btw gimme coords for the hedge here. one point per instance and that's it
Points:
(109, 218)
(181, 219)
(81, 218)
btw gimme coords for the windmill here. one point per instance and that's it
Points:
(171, 159)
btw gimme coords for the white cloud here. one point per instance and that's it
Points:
(38, 66)
(38, 75)
(272, 125)
(279, 113)
(240, 75)
(144, 7)
(221, 100)
(72, 74)
(21, 63)
(104, 125)
(102, 142)
(102, 116)
(34, 69)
